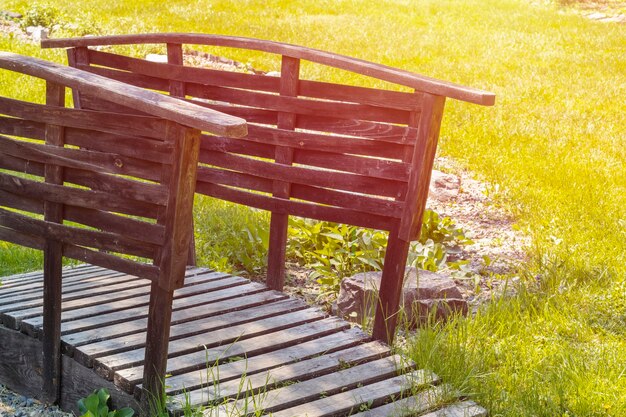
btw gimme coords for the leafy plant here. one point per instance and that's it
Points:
(96, 404)
(336, 251)
(40, 14)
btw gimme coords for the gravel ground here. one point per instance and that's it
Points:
(16, 405)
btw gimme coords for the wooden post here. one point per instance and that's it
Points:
(177, 89)
(428, 123)
(53, 263)
(77, 57)
(172, 259)
(289, 75)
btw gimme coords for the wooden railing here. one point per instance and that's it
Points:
(98, 186)
(327, 151)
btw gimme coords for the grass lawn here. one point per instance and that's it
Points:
(555, 143)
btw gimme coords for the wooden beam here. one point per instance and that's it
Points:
(290, 73)
(53, 262)
(177, 89)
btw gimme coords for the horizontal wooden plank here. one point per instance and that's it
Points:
(33, 294)
(143, 191)
(302, 175)
(198, 380)
(408, 407)
(83, 254)
(114, 283)
(124, 145)
(298, 392)
(371, 205)
(105, 260)
(296, 208)
(128, 378)
(326, 142)
(185, 74)
(76, 236)
(371, 395)
(34, 291)
(192, 333)
(295, 105)
(78, 197)
(148, 101)
(81, 159)
(29, 280)
(281, 376)
(315, 89)
(359, 66)
(128, 317)
(237, 333)
(366, 166)
(115, 123)
(24, 128)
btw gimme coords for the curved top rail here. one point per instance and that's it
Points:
(123, 94)
(382, 72)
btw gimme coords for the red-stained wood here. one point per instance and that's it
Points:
(383, 72)
(80, 236)
(298, 106)
(177, 89)
(304, 175)
(77, 57)
(314, 89)
(297, 208)
(279, 222)
(77, 196)
(173, 255)
(423, 160)
(126, 95)
(53, 259)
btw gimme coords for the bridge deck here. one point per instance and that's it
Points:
(234, 344)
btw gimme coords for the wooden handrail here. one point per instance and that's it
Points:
(382, 72)
(187, 114)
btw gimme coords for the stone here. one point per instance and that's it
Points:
(11, 15)
(443, 187)
(424, 292)
(160, 58)
(37, 32)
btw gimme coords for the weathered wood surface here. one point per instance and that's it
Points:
(316, 149)
(383, 72)
(232, 344)
(146, 101)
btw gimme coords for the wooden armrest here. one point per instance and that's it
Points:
(149, 102)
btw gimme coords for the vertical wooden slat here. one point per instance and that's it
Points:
(53, 262)
(173, 255)
(396, 254)
(75, 57)
(423, 160)
(409, 227)
(177, 89)
(290, 73)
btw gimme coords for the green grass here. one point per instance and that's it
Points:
(555, 143)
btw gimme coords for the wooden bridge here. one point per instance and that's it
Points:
(115, 176)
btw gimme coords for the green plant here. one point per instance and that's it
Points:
(41, 14)
(334, 251)
(96, 404)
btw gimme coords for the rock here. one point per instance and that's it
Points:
(11, 15)
(157, 58)
(432, 292)
(443, 187)
(273, 74)
(37, 32)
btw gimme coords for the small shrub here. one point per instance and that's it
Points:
(97, 405)
(40, 14)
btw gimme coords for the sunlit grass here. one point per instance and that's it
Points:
(555, 143)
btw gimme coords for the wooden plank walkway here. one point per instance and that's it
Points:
(235, 346)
